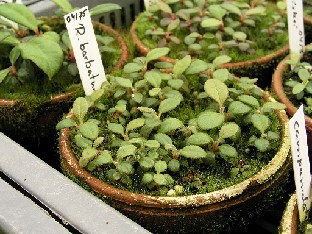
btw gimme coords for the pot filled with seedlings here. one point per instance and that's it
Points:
(293, 86)
(187, 149)
(38, 73)
(252, 33)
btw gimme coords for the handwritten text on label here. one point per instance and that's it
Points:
(87, 54)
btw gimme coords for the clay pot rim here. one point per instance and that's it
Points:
(65, 96)
(257, 61)
(278, 89)
(290, 218)
(262, 179)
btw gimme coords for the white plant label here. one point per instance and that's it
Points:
(301, 164)
(148, 3)
(87, 54)
(295, 28)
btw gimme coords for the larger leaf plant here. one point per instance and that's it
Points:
(39, 52)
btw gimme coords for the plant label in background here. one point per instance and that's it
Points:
(87, 54)
(148, 3)
(295, 28)
(301, 164)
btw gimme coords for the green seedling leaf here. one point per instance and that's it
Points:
(20, 14)
(249, 100)
(298, 88)
(147, 178)
(168, 104)
(211, 23)
(46, 54)
(82, 142)
(193, 152)
(14, 55)
(113, 174)
(274, 106)
(240, 36)
(170, 124)
(181, 65)
(126, 83)
(64, 5)
(138, 97)
(261, 122)
(65, 123)
(89, 130)
(176, 83)
(66, 40)
(146, 163)
(228, 153)
(231, 8)
(125, 168)
(125, 151)
(98, 141)
(209, 120)
(154, 92)
(154, 78)
(216, 11)
(80, 108)
(262, 144)
(7, 38)
(156, 53)
(3, 74)
(173, 25)
(196, 67)
(164, 7)
(152, 122)
(104, 8)
(228, 130)
(160, 179)
(221, 74)
(160, 166)
(97, 94)
(216, 90)
(199, 138)
(132, 67)
(88, 154)
(239, 108)
(104, 158)
(304, 74)
(152, 144)
(163, 139)
(116, 128)
(255, 11)
(222, 59)
(174, 165)
(134, 124)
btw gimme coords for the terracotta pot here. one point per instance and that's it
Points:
(290, 219)
(21, 120)
(278, 89)
(261, 68)
(224, 210)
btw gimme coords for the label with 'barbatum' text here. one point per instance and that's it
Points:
(86, 51)
(301, 163)
(148, 3)
(295, 28)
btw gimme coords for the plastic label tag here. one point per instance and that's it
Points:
(301, 163)
(87, 54)
(148, 3)
(295, 28)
